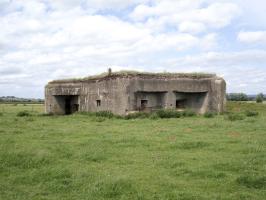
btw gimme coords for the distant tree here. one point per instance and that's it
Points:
(259, 98)
(237, 97)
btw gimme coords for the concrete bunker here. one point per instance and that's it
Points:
(130, 91)
(68, 103)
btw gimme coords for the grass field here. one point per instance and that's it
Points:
(87, 157)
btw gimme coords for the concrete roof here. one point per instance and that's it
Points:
(132, 74)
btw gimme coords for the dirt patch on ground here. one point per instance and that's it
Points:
(172, 138)
(234, 134)
(188, 130)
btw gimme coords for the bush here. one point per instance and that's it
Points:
(24, 113)
(99, 119)
(136, 115)
(168, 113)
(188, 113)
(118, 117)
(259, 98)
(106, 114)
(234, 116)
(251, 113)
(1, 114)
(154, 116)
(209, 114)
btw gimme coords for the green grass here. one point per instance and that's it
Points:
(96, 157)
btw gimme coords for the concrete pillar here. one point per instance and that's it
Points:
(220, 95)
(170, 100)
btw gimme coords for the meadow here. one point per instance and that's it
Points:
(83, 156)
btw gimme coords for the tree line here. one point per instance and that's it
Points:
(259, 98)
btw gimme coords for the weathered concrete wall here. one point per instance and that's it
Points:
(111, 93)
(171, 87)
(55, 96)
(123, 94)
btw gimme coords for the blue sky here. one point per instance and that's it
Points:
(42, 40)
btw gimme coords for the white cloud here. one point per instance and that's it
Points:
(254, 14)
(93, 6)
(252, 37)
(191, 27)
(163, 8)
(44, 40)
(113, 4)
(225, 59)
(187, 15)
(209, 41)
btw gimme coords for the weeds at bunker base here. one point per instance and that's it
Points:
(126, 92)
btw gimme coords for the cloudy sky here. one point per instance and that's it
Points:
(42, 40)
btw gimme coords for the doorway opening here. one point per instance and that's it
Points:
(98, 103)
(67, 104)
(180, 104)
(71, 104)
(190, 100)
(143, 104)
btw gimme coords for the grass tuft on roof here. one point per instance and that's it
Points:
(127, 73)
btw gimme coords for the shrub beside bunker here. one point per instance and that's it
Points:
(24, 113)
(250, 113)
(234, 116)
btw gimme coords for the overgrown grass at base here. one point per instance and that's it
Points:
(102, 156)
(209, 114)
(163, 113)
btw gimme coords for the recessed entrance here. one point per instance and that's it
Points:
(149, 101)
(190, 100)
(67, 104)
(143, 104)
(180, 104)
